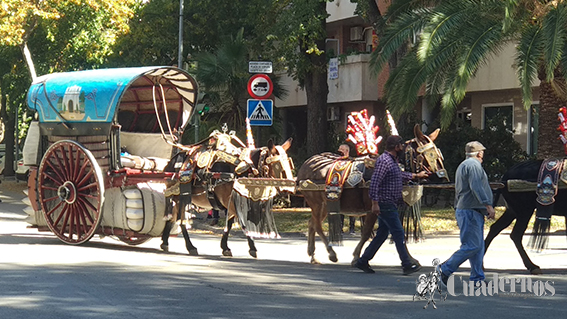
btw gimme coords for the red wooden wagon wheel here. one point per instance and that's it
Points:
(71, 191)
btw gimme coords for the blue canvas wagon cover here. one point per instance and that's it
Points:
(89, 102)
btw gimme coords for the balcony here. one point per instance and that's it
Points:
(355, 83)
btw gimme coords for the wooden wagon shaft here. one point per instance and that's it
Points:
(308, 185)
(452, 186)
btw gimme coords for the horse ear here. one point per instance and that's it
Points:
(434, 134)
(287, 144)
(270, 144)
(418, 133)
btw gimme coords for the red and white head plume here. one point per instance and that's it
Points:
(249, 137)
(362, 132)
(392, 124)
(562, 116)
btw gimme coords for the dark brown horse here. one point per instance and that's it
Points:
(520, 206)
(217, 183)
(421, 154)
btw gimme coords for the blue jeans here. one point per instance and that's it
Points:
(388, 223)
(471, 224)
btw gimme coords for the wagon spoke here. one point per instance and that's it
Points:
(85, 178)
(65, 159)
(77, 167)
(61, 165)
(71, 220)
(89, 186)
(86, 205)
(59, 181)
(82, 214)
(64, 213)
(54, 208)
(89, 207)
(51, 199)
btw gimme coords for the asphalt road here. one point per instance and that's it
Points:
(41, 277)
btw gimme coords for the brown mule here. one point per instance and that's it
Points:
(421, 153)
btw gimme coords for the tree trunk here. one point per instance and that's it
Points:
(317, 89)
(10, 123)
(549, 145)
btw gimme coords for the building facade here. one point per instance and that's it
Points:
(352, 86)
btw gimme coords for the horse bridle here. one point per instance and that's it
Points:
(285, 165)
(431, 154)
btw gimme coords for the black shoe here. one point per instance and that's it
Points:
(411, 269)
(444, 278)
(363, 266)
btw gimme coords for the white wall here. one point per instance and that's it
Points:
(340, 9)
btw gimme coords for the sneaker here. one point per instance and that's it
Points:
(411, 269)
(363, 266)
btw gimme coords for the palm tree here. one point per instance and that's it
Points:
(447, 41)
(223, 76)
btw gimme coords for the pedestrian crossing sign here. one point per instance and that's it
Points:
(260, 112)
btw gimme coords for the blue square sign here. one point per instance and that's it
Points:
(260, 112)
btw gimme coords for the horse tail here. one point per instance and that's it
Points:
(335, 229)
(542, 225)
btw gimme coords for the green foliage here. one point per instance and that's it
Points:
(502, 151)
(456, 38)
(297, 35)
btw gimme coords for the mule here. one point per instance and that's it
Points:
(421, 154)
(520, 206)
(214, 188)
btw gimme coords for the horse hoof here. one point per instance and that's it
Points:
(353, 262)
(193, 252)
(164, 247)
(253, 253)
(227, 253)
(314, 261)
(333, 258)
(536, 271)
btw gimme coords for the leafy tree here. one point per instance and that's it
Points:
(54, 35)
(223, 75)
(299, 40)
(455, 38)
(80, 29)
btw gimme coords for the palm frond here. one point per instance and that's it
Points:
(554, 35)
(395, 36)
(479, 46)
(528, 56)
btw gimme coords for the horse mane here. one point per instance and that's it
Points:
(527, 171)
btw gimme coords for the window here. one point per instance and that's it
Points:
(533, 129)
(464, 117)
(494, 115)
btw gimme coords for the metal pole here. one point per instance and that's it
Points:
(180, 53)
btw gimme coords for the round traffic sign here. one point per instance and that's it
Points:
(260, 86)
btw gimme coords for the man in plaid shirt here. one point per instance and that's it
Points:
(386, 194)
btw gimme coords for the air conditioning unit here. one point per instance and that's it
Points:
(333, 113)
(356, 34)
